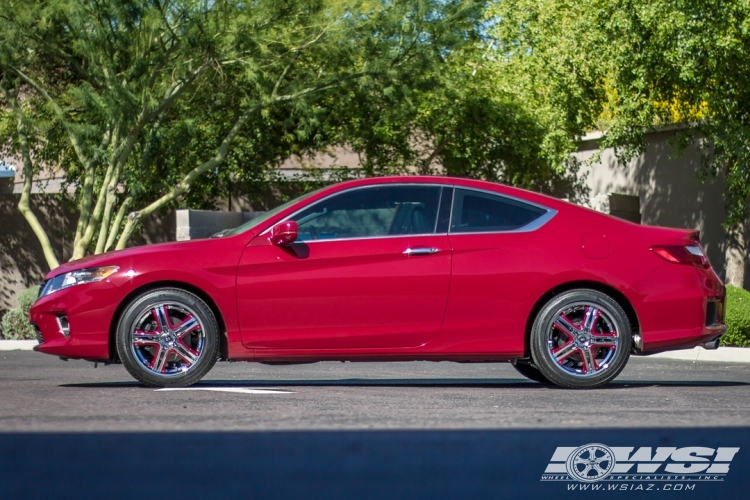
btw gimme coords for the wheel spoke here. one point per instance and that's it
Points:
(591, 317)
(189, 324)
(159, 361)
(190, 356)
(161, 315)
(605, 334)
(606, 343)
(145, 338)
(589, 363)
(563, 352)
(566, 326)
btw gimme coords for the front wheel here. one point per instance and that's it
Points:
(168, 337)
(581, 339)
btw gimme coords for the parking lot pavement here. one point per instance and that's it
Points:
(352, 430)
(42, 393)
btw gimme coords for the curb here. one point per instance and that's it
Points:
(722, 354)
(17, 345)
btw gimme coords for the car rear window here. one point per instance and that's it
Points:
(477, 211)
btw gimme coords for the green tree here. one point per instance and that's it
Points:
(628, 67)
(137, 100)
(457, 118)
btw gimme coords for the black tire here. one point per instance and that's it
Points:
(177, 341)
(530, 372)
(574, 346)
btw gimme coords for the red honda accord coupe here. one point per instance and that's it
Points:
(393, 269)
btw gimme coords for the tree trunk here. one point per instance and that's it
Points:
(735, 256)
(28, 172)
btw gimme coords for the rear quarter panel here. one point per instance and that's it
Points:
(499, 279)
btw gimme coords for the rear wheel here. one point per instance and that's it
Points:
(581, 339)
(168, 337)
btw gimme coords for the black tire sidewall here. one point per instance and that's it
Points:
(148, 300)
(551, 370)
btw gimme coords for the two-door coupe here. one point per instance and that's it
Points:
(393, 269)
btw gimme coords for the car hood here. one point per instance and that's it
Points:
(109, 258)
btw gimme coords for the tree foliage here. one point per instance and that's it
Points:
(628, 67)
(144, 103)
(15, 323)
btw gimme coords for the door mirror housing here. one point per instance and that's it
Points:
(284, 233)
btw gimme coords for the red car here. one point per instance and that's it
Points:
(393, 269)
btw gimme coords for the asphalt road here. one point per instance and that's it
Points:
(42, 393)
(348, 430)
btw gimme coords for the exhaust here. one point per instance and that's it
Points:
(638, 342)
(712, 344)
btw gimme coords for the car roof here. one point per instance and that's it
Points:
(532, 196)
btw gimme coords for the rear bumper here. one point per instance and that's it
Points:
(680, 306)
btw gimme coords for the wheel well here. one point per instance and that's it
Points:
(223, 349)
(592, 285)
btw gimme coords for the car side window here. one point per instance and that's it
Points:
(372, 211)
(477, 212)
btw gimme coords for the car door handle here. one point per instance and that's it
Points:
(421, 251)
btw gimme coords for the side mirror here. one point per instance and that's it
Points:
(284, 233)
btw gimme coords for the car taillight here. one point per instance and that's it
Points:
(682, 254)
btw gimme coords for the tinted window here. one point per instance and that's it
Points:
(474, 212)
(375, 211)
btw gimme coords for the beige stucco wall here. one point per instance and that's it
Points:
(668, 187)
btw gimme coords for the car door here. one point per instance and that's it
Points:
(369, 270)
(498, 264)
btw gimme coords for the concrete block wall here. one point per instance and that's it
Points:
(196, 224)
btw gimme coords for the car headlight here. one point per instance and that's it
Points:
(79, 277)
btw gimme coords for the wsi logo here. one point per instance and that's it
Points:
(598, 462)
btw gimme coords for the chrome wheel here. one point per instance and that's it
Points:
(168, 339)
(583, 339)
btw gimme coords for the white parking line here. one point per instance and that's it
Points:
(240, 390)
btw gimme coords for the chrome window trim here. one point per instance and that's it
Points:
(531, 226)
(370, 238)
(390, 184)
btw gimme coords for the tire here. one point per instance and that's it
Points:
(168, 338)
(530, 372)
(581, 339)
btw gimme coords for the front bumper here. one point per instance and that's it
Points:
(88, 309)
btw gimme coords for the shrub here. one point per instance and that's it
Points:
(737, 318)
(16, 324)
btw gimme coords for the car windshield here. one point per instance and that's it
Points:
(264, 217)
